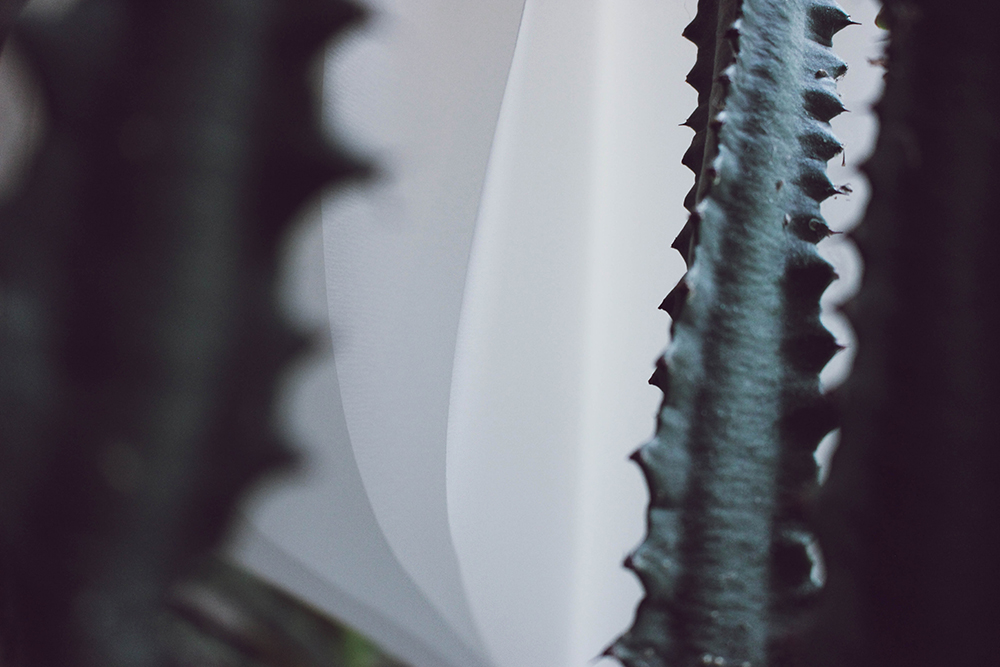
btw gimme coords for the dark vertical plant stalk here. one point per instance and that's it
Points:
(140, 341)
(10, 625)
(910, 515)
(726, 564)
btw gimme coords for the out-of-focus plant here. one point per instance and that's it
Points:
(227, 617)
(140, 340)
(910, 514)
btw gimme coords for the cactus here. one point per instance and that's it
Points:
(726, 563)
(140, 341)
(908, 517)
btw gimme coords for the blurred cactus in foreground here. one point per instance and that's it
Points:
(140, 341)
(910, 514)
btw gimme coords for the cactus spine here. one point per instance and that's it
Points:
(725, 564)
(140, 341)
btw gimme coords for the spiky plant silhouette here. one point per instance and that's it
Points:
(726, 562)
(140, 341)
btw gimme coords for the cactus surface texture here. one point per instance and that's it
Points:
(140, 340)
(726, 563)
(910, 513)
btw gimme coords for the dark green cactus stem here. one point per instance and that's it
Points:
(726, 564)
(140, 342)
(910, 514)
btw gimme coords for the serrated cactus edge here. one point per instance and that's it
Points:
(726, 564)
(140, 339)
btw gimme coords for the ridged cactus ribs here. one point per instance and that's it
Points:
(727, 561)
(139, 370)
